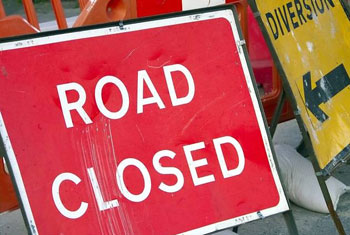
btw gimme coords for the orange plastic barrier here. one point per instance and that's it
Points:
(15, 25)
(82, 3)
(59, 14)
(2, 11)
(103, 11)
(30, 12)
(8, 199)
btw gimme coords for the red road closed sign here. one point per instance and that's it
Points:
(151, 127)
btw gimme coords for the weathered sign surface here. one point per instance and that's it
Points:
(312, 42)
(148, 127)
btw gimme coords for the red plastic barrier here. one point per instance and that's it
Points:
(265, 72)
(8, 199)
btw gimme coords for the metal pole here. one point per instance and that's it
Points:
(290, 221)
(287, 215)
(320, 177)
(327, 197)
(277, 113)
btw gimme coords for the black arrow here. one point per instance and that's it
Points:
(327, 87)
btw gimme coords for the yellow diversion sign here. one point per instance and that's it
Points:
(312, 41)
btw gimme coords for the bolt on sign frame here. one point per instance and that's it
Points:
(145, 125)
(310, 43)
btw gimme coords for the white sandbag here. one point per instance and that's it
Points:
(288, 133)
(301, 183)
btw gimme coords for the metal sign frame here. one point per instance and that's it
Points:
(322, 174)
(137, 24)
(344, 155)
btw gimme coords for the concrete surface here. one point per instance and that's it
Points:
(308, 222)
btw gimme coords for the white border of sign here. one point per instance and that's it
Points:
(156, 23)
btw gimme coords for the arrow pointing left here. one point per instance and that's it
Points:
(327, 87)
